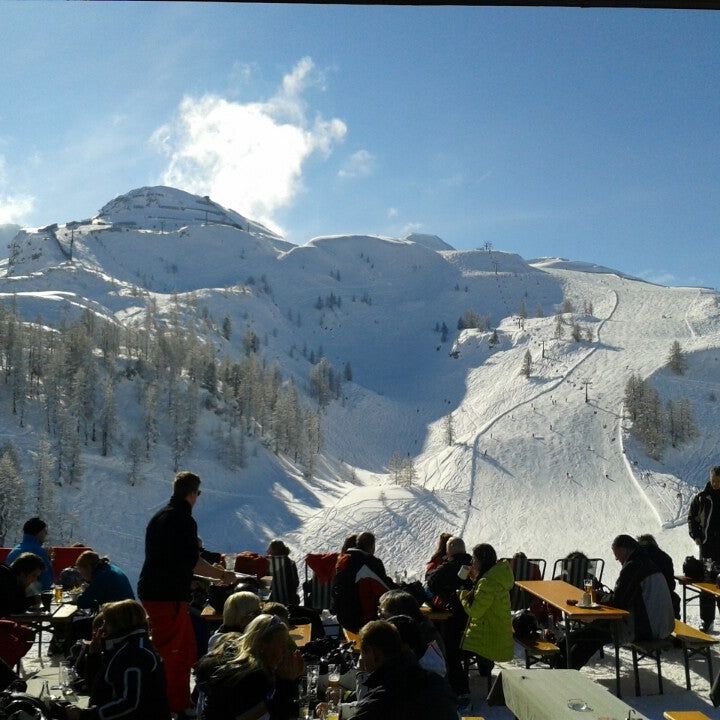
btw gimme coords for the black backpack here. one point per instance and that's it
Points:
(525, 625)
(693, 568)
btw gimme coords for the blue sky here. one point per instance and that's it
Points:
(588, 134)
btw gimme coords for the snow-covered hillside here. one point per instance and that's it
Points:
(532, 466)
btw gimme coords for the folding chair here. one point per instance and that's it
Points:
(283, 587)
(575, 570)
(524, 568)
(317, 590)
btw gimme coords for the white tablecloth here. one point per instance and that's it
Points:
(548, 695)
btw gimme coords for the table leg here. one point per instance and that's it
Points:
(684, 602)
(616, 643)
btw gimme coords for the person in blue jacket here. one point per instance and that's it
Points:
(106, 582)
(34, 535)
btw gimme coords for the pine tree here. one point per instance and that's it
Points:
(526, 368)
(227, 327)
(559, 327)
(107, 414)
(12, 491)
(576, 332)
(45, 472)
(395, 467)
(677, 360)
(135, 458)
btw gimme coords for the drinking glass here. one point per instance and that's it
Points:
(230, 561)
(333, 675)
(58, 591)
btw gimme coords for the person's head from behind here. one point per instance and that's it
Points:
(37, 528)
(455, 546)
(409, 632)
(239, 609)
(123, 617)
(88, 563)
(623, 546)
(484, 557)
(278, 547)
(187, 486)
(366, 542)
(349, 542)
(379, 643)
(27, 568)
(398, 602)
(277, 609)
(441, 549)
(715, 478)
(647, 540)
(265, 641)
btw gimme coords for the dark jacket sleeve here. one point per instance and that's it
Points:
(694, 527)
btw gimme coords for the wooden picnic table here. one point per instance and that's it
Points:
(685, 715)
(698, 587)
(556, 593)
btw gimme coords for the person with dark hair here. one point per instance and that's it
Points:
(15, 578)
(131, 683)
(665, 564)
(396, 686)
(35, 533)
(285, 582)
(438, 555)
(489, 632)
(444, 583)
(16, 639)
(106, 582)
(349, 542)
(704, 529)
(172, 555)
(396, 603)
(640, 589)
(360, 580)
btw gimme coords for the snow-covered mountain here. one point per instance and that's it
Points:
(532, 465)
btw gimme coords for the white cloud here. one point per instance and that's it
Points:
(410, 228)
(392, 212)
(359, 164)
(247, 156)
(14, 208)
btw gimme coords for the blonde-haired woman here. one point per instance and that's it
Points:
(131, 684)
(106, 582)
(239, 609)
(251, 677)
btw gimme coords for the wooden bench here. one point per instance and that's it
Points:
(685, 715)
(694, 642)
(648, 649)
(690, 639)
(537, 650)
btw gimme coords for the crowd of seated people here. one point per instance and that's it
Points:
(407, 668)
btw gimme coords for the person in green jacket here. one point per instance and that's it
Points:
(489, 630)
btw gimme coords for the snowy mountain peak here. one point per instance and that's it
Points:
(432, 242)
(166, 208)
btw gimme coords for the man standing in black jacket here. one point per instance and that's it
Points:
(704, 528)
(172, 556)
